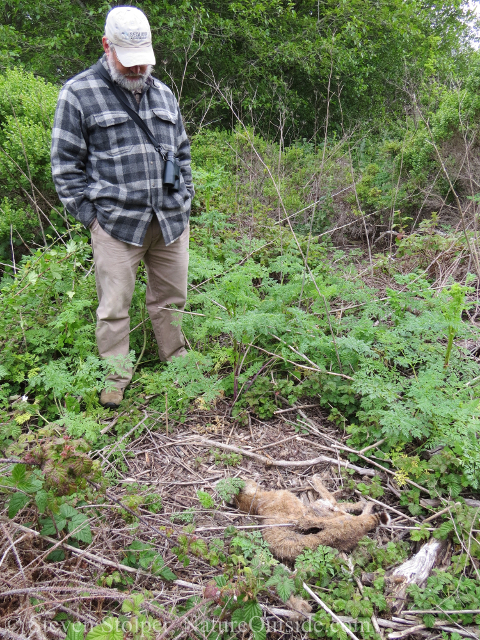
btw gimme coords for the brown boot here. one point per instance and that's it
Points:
(111, 398)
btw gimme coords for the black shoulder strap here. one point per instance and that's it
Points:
(99, 69)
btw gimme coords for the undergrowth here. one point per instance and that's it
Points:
(389, 356)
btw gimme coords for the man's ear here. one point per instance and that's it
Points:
(105, 44)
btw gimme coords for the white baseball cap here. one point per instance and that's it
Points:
(128, 30)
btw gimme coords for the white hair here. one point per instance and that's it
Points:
(123, 80)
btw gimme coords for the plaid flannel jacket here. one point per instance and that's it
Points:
(104, 167)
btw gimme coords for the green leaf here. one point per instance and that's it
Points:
(48, 528)
(238, 616)
(221, 581)
(130, 606)
(57, 555)
(167, 574)
(41, 499)
(75, 631)
(31, 485)
(251, 610)
(229, 487)
(84, 534)
(429, 620)
(18, 473)
(108, 630)
(67, 511)
(17, 501)
(285, 588)
(258, 629)
(159, 568)
(60, 522)
(206, 499)
(199, 547)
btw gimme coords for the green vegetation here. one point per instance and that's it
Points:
(334, 260)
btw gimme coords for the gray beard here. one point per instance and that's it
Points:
(127, 83)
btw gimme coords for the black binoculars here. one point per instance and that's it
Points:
(171, 173)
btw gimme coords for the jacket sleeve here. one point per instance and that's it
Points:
(69, 155)
(183, 156)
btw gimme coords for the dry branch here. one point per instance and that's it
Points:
(414, 571)
(329, 611)
(357, 453)
(92, 557)
(279, 463)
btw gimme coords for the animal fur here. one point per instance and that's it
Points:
(322, 522)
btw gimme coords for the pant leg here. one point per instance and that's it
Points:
(167, 269)
(116, 265)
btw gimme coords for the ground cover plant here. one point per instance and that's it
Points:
(333, 311)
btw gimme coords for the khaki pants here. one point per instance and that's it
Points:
(116, 265)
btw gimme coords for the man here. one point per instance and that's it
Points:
(108, 175)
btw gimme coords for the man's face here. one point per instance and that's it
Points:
(131, 75)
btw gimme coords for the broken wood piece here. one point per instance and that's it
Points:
(421, 612)
(435, 502)
(440, 513)
(409, 630)
(414, 571)
(280, 463)
(329, 611)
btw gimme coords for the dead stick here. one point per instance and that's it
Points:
(6, 633)
(436, 611)
(357, 453)
(300, 366)
(280, 463)
(295, 408)
(272, 444)
(80, 552)
(166, 412)
(178, 622)
(329, 611)
(398, 635)
(440, 513)
(107, 456)
(386, 506)
(373, 446)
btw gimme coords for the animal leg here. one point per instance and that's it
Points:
(367, 509)
(356, 507)
(322, 490)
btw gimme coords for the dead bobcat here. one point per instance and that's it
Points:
(321, 522)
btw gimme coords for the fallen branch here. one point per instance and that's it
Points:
(440, 513)
(414, 571)
(357, 453)
(399, 635)
(418, 612)
(329, 611)
(179, 621)
(386, 506)
(435, 502)
(94, 558)
(279, 463)
(6, 633)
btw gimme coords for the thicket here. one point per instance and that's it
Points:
(279, 60)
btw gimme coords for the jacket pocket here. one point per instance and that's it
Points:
(110, 118)
(112, 134)
(165, 114)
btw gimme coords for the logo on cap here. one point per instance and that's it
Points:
(135, 35)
